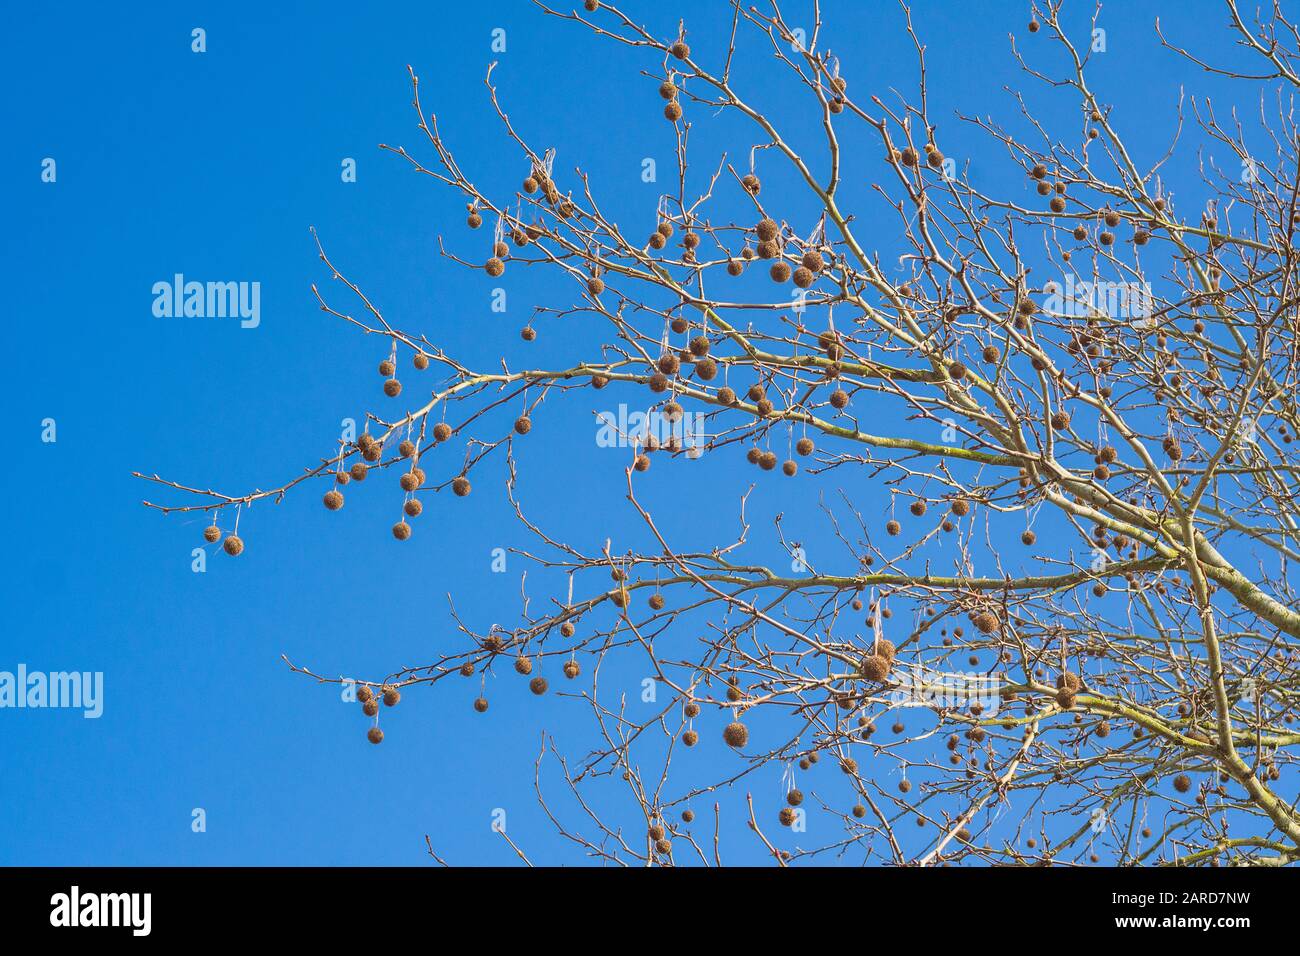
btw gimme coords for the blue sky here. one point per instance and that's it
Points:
(215, 165)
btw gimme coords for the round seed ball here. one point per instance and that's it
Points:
(211, 533)
(441, 431)
(735, 734)
(375, 735)
(538, 685)
(480, 704)
(392, 388)
(874, 667)
(233, 545)
(401, 531)
(333, 500)
(460, 486)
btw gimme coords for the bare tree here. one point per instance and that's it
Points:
(1127, 697)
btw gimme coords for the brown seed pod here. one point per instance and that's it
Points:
(392, 388)
(859, 811)
(538, 685)
(893, 527)
(481, 704)
(780, 271)
(751, 184)
(785, 816)
(386, 367)
(413, 507)
(523, 425)
(358, 471)
(364, 693)
(1060, 420)
(839, 398)
(401, 531)
(803, 277)
(874, 667)
(790, 468)
(668, 90)
(333, 500)
(233, 545)
(474, 220)
(812, 261)
(494, 267)
(657, 602)
(407, 448)
(567, 629)
(391, 696)
(1028, 538)
(690, 738)
(908, 156)
(767, 460)
(460, 486)
(523, 665)
(963, 835)
(571, 669)
(1039, 171)
(1106, 238)
(726, 395)
(595, 285)
(409, 481)
(960, 507)
(375, 735)
(441, 431)
(672, 111)
(530, 185)
(680, 50)
(767, 230)
(735, 734)
(849, 766)
(804, 446)
(211, 533)
(1182, 783)
(917, 508)
(370, 707)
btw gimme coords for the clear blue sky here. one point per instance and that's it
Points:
(215, 165)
